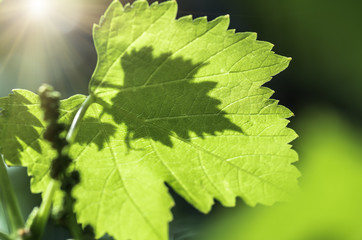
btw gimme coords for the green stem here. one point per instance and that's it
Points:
(4, 236)
(76, 121)
(74, 227)
(41, 219)
(7, 193)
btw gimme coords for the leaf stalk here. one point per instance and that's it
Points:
(72, 133)
(38, 226)
(15, 217)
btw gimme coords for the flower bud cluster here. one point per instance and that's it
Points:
(55, 134)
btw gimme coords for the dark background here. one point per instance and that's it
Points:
(322, 86)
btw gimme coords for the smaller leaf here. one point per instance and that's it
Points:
(21, 130)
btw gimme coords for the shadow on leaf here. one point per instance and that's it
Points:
(17, 126)
(93, 127)
(159, 100)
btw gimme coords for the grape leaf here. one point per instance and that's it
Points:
(21, 130)
(185, 104)
(177, 102)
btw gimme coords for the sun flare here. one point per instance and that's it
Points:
(38, 8)
(42, 41)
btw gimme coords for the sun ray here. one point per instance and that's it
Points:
(48, 41)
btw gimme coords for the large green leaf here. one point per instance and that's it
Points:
(178, 101)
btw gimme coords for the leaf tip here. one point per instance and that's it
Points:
(253, 35)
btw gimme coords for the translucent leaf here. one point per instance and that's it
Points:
(178, 101)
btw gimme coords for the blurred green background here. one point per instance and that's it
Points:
(322, 86)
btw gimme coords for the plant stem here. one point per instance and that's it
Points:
(4, 236)
(7, 193)
(74, 228)
(38, 226)
(76, 121)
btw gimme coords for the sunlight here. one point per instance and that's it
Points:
(42, 41)
(38, 8)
